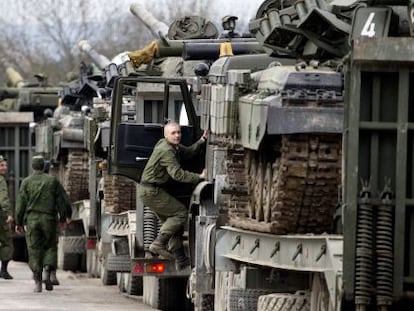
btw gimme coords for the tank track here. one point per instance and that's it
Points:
(295, 190)
(76, 175)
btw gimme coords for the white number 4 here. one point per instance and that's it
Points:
(369, 27)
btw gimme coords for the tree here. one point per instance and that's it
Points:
(42, 36)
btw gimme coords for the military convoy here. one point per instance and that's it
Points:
(309, 189)
(263, 229)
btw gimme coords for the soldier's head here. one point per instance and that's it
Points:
(172, 133)
(3, 165)
(38, 163)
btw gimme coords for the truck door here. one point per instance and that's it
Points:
(157, 101)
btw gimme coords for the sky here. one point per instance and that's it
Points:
(244, 9)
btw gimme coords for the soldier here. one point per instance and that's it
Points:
(41, 202)
(163, 165)
(6, 217)
(46, 168)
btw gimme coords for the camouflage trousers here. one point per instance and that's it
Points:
(6, 242)
(41, 241)
(172, 213)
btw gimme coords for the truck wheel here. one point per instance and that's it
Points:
(289, 302)
(207, 302)
(73, 244)
(134, 285)
(70, 262)
(107, 277)
(245, 299)
(166, 293)
(120, 263)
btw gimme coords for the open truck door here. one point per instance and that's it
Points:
(157, 101)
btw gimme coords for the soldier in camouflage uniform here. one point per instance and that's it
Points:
(41, 202)
(164, 164)
(6, 217)
(53, 276)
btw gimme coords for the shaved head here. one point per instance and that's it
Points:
(172, 133)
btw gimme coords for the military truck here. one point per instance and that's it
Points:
(263, 229)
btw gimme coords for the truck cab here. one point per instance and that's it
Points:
(158, 101)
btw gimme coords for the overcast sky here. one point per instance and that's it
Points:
(244, 9)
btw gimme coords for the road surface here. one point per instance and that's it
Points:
(77, 292)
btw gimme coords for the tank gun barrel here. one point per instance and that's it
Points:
(211, 50)
(192, 49)
(97, 58)
(156, 27)
(14, 77)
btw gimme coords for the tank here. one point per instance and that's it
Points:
(29, 96)
(60, 138)
(281, 127)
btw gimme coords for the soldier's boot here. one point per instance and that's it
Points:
(53, 278)
(37, 276)
(48, 281)
(159, 246)
(181, 259)
(4, 273)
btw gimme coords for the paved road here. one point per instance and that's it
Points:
(77, 292)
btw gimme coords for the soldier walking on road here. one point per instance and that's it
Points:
(6, 218)
(164, 164)
(41, 202)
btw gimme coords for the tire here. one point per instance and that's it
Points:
(73, 244)
(107, 277)
(287, 302)
(120, 263)
(134, 285)
(70, 253)
(70, 262)
(245, 299)
(207, 302)
(166, 294)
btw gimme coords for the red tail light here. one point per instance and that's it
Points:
(138, 268)
(90, 244)
(155, 268)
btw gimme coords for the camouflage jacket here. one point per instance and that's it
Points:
(5, 206)
(42, 193)
(165, 162)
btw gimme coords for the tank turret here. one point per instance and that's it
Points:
(23, 95)
(305, 28)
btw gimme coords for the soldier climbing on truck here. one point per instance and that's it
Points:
(162, 166)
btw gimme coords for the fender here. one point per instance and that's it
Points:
(203, 191)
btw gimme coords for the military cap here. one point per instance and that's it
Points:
(2, 158)
(38, 161)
